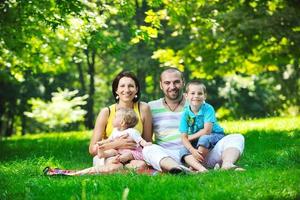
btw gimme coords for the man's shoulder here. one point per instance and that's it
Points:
(155, 103)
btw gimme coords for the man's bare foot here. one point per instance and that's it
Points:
(232, 167)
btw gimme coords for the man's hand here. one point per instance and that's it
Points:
(124, 142)
(197, 155)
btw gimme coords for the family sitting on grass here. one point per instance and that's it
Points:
(187, 135)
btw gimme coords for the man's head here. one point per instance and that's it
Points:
(172, 83)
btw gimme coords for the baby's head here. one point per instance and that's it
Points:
(125, 118)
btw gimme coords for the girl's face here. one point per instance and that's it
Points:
(195, 95)
(126, 89)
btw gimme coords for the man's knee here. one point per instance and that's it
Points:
(237, 137)
(235, 141)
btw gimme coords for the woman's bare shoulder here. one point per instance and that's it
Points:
(104, 112)
(144, 106)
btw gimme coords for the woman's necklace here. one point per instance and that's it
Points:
(175, 106)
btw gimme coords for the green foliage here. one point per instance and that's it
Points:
(86, 43)
(63, 109)
(239, 91)
(271, 158)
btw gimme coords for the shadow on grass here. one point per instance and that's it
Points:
(263, 149)
(63, 148)
(266, 149)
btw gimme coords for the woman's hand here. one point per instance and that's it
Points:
(124, 142)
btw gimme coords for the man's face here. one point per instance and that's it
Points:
(172, 85)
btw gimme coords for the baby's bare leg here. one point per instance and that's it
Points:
(125, 157)
(107, 153)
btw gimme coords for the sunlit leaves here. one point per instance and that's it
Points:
(168, 58)
(144, 33)
(64, 108)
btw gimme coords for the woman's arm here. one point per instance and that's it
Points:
(123, 142)
(147, 121)
(98, 131)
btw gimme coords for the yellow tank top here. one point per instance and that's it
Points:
(109, 125)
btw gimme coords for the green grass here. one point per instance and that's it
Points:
(271, 157)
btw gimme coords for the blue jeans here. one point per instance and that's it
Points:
(206, 141)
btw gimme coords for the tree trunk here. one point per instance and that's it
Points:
(141, 48)
(23, 124)
(90, 102)
(81, 77)
(10, 124)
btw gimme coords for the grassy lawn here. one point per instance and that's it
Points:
(271, 157)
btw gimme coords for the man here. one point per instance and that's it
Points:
(166, 113)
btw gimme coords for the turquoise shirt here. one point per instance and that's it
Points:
(191, 123)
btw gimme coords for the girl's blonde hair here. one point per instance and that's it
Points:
(129, 116)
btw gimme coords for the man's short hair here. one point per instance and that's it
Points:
(195, 82)
(172, 69)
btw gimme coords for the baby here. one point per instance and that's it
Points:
(115, 159)
(123, 124)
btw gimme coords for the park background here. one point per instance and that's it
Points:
(59, 57)
(246, 52)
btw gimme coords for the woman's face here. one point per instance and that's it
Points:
(126, 89)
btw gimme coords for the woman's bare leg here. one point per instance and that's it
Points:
(102, 169)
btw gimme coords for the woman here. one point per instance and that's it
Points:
(126, 90)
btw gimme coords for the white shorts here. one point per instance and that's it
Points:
(229, 141)
(153, 154)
